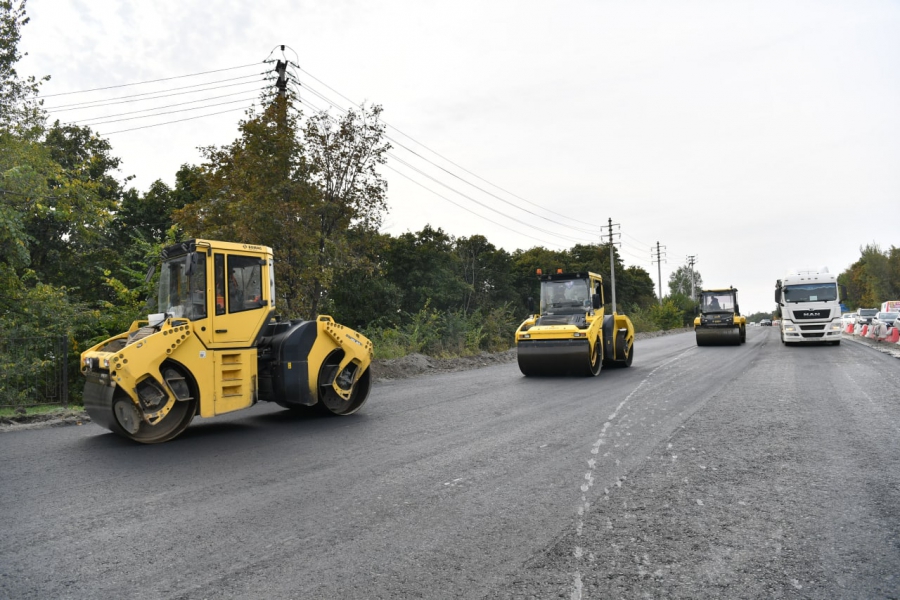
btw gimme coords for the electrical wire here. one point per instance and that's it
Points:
(458, 205)
(176, 121)
(137, 97)
(311, 76)
(171, 112)
(112, 87)
(134, 112)
(568, 226)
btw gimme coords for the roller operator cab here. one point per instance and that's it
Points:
(216, 346)
(571, 335)
(809, 306)
(719, 321)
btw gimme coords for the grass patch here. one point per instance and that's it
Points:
(34, 410)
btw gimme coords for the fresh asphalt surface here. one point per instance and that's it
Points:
(752, 471)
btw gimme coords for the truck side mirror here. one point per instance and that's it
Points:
(595, 301)
(843, 289)
(530, 304)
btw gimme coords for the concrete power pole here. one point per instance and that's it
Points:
(658, 259)
(691, 260)
(612, 266)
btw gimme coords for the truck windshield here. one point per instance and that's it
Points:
(811, 292)
(717, 302)
(565, 297)
(182, 287)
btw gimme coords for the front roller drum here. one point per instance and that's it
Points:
(558, 357)
(718, 336)
(110, 407)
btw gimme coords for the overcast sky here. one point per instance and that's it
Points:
(758, 136)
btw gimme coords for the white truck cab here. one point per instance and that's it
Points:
(809, 305)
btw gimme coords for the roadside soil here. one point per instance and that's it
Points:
(412, 365)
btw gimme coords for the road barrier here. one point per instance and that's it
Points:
(849, 328)
(893, 336)
(865, 329)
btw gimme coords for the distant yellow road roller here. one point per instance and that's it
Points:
(571, 335)
(719, 321)
(216, 346)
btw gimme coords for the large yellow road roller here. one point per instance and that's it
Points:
(719, 321)
(216, 346)
(571, 335)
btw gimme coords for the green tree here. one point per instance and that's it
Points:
(20, 108)
(873, 279)
(485, 272)
(343, 157)
(667, 315)
(680, 281)
(426, 269)
(256, 190)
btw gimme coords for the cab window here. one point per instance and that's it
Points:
(243, 283)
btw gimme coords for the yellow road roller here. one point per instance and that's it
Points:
(216, 346)
(719, 321)
(571, 335)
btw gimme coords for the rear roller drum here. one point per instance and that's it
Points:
(329, 401)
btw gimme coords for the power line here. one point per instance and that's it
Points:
(222, 112)
(454, 175)
(170, 112)
(163, 94)
(445, 158)
(112, 87)
(457, 204)
(134, 112)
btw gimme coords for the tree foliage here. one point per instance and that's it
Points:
(680, 281)
(873, 279)
(20, 108)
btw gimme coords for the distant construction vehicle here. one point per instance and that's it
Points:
(215, 347)
(719, 321)
(571, 335)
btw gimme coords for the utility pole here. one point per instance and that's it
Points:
(660, 257)
(281, 83)
(691, 260)
(612, 265)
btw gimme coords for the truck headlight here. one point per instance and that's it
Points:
(789, 328)
(525, 336)
(836, 326)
